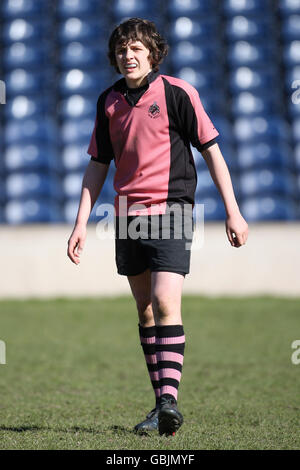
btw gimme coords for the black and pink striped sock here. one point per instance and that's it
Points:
(148, 337)
(170, 343)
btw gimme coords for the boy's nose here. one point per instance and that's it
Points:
(128, 53)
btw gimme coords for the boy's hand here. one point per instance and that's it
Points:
(237, 230)
(76, 243)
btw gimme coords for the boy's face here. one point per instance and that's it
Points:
(133, 62)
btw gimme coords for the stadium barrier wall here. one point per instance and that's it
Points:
(35, 264)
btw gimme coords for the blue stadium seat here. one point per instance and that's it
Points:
(297, 156)
(296, 129)
(225, 129)
(23, 55)
(206, 186)
(253, 79)
(23, 107)
(78, 29)
(291, 53)
(291, 27)
(86, 8)
(32, 210)
(246, 7)
(263, 103)
(71, 184)
(21, 81)
(289, 7)
(25, 30)
(2, 218)
(75, 157)
(70, 209)
(31, 131)
(186, 53)
(2, 192)
(77, 54)
(77, 131)
(294, 104)
(249, 29)
(260, 129)
(79, 81)
(34, 184)
(31, 157)
(265, 182)
(269, 208)
(25, 8)
(245, 53)
(189, 29)
(200, 79)
(228, 153)
(214, 101)
(78, 106)
(298, 188)
(191, 8)
(291, 75)
(213, 207)
(264, 155)
(122, 9)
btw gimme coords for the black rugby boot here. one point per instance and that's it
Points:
(149, 424)
(169, 418)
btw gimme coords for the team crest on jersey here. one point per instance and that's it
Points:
(154, 110)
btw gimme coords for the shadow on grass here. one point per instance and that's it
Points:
(73, 429)
(121, 430)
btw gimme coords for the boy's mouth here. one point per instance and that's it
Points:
(130, 66)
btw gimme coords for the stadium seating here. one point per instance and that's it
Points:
(246, 7)
(253, 79)
(264, 155)
(191, 8)
(213, 208)
(263, 182)
(242, 56)
(21, 81)
(256, 104)
(79, 8)
(258, 209)
(74, 81)
(289, 7)
(245, 28)
(24, 9)
(291, 28)
(259, 128)
(189, 29)
(21, 54)
(245, 53)
(31, 157)
(78, 29)
(24, 30)
(32, 211)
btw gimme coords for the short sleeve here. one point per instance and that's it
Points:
(100, 147)
(195, 124)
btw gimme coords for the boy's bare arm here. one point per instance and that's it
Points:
(236, 226)
(92, 183)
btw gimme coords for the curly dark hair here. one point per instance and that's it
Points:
(138, 29)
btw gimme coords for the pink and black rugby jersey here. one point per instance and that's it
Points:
(150, 142)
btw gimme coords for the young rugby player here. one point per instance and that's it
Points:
(146, 122)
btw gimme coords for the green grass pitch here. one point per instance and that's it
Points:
(75, 376)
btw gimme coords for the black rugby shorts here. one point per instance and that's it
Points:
(159, 243)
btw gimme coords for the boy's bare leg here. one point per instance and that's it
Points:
(141, 290)
(166, 291)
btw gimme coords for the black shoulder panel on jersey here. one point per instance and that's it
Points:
(104, 145)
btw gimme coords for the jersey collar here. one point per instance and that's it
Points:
(121, 85)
